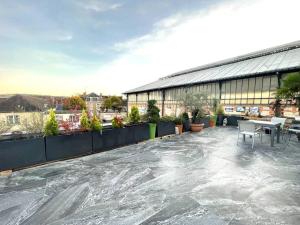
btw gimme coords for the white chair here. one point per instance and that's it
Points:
(248, 128)
(276, 120)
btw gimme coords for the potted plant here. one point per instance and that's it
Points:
(96, 128)
(212, 120)
(152, 117)
(220, 114)
(84, 121)
(197, 124)
(186, 122)
(179, 123)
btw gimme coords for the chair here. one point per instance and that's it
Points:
(276, 120)
(293, 129)
(248, 128)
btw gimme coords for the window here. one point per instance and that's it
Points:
(74, 118)
(13, 119)
(251, 88)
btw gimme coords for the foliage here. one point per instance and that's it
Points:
(66, 126)
(185, 116)
(84, 120)
(95, 124)
(4, 127)
(117, 122)
(51, 126)
(167, 118)
(191, 101)
(276, 107)
(134, 116)
(197, 115)
(74, 103)
(290, 89)
(34, 123)
(152, 112)
(215, 105)
(113, 102)
(220, 110)
(178, 120)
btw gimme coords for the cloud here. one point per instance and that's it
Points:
(100, 6)
(183, 41)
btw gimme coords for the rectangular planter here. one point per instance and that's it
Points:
(165, 128)
(233, 120)
(68, 146)
(140, 132)
(98, 142)
(16, 154)
(205, 121)
(186, 126)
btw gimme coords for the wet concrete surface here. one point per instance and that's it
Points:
(200, 178)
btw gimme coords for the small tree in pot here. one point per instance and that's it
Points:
(95, 124)
(152, 117)
(51, 126)
(134, 116)
(84, 121)
(179, 123)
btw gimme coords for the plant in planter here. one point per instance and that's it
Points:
(197, 123)
(51, 126)
(95, 124)
(134, 116)
(84, 121)
(152, 117)
(179, 123)
(212, 120)
(117, 122)
(220, 113)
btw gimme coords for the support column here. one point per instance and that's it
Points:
(163, 103)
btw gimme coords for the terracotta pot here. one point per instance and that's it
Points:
(212, 123)
(197, 127)
(180, 127)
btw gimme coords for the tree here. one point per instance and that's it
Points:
(290, 89)
(74, 103)
(113, 102)
(4, 127)
(95, 124)
(134, 116)
(34, 123)
(152, 112)
(51, 127)
(84, 120)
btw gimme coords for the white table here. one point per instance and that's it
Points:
(272, 126)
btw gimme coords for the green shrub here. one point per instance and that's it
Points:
(117, 122)
(84, 120)
(185, 116)
(167, 118)
(178, 120)
(51, 126)
(152, 112)
(134, 116)
(95, 124)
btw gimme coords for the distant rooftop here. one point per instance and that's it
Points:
(280, 58)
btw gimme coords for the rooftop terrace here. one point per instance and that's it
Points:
(195, 178)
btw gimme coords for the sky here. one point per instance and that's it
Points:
(66, 47)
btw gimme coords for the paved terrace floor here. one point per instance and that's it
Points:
(200, 178)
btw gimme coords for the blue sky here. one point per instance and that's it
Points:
(64, 47)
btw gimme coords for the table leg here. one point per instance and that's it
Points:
(278, 134)
(272, 136)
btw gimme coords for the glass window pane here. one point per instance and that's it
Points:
(266, 87)
(258, 87)
(223, 93)
(251, 88)
(233, 89)
(245, 88)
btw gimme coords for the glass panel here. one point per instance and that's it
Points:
(274, 85)
(251, 88)
(233, 89)
(258, 87)
(266, 87)
(245, 88)
(227, 87)
(265, 101)
(239, 89)
(256, 101)
(223, 94)
(250, 101)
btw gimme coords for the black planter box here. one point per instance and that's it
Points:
(186, 126)
(205, 121)
(233, 120)
(16, 154)
(220, 119)
(98, 142)
(165, 128)
(68, 146)
(140, 132)
(116, 137)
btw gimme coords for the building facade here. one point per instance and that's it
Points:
(241, 84)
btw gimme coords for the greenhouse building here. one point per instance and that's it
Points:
(241, 84)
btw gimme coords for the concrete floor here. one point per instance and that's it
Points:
(200, 178)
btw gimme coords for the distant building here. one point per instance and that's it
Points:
(93, 103)
(241, 84)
